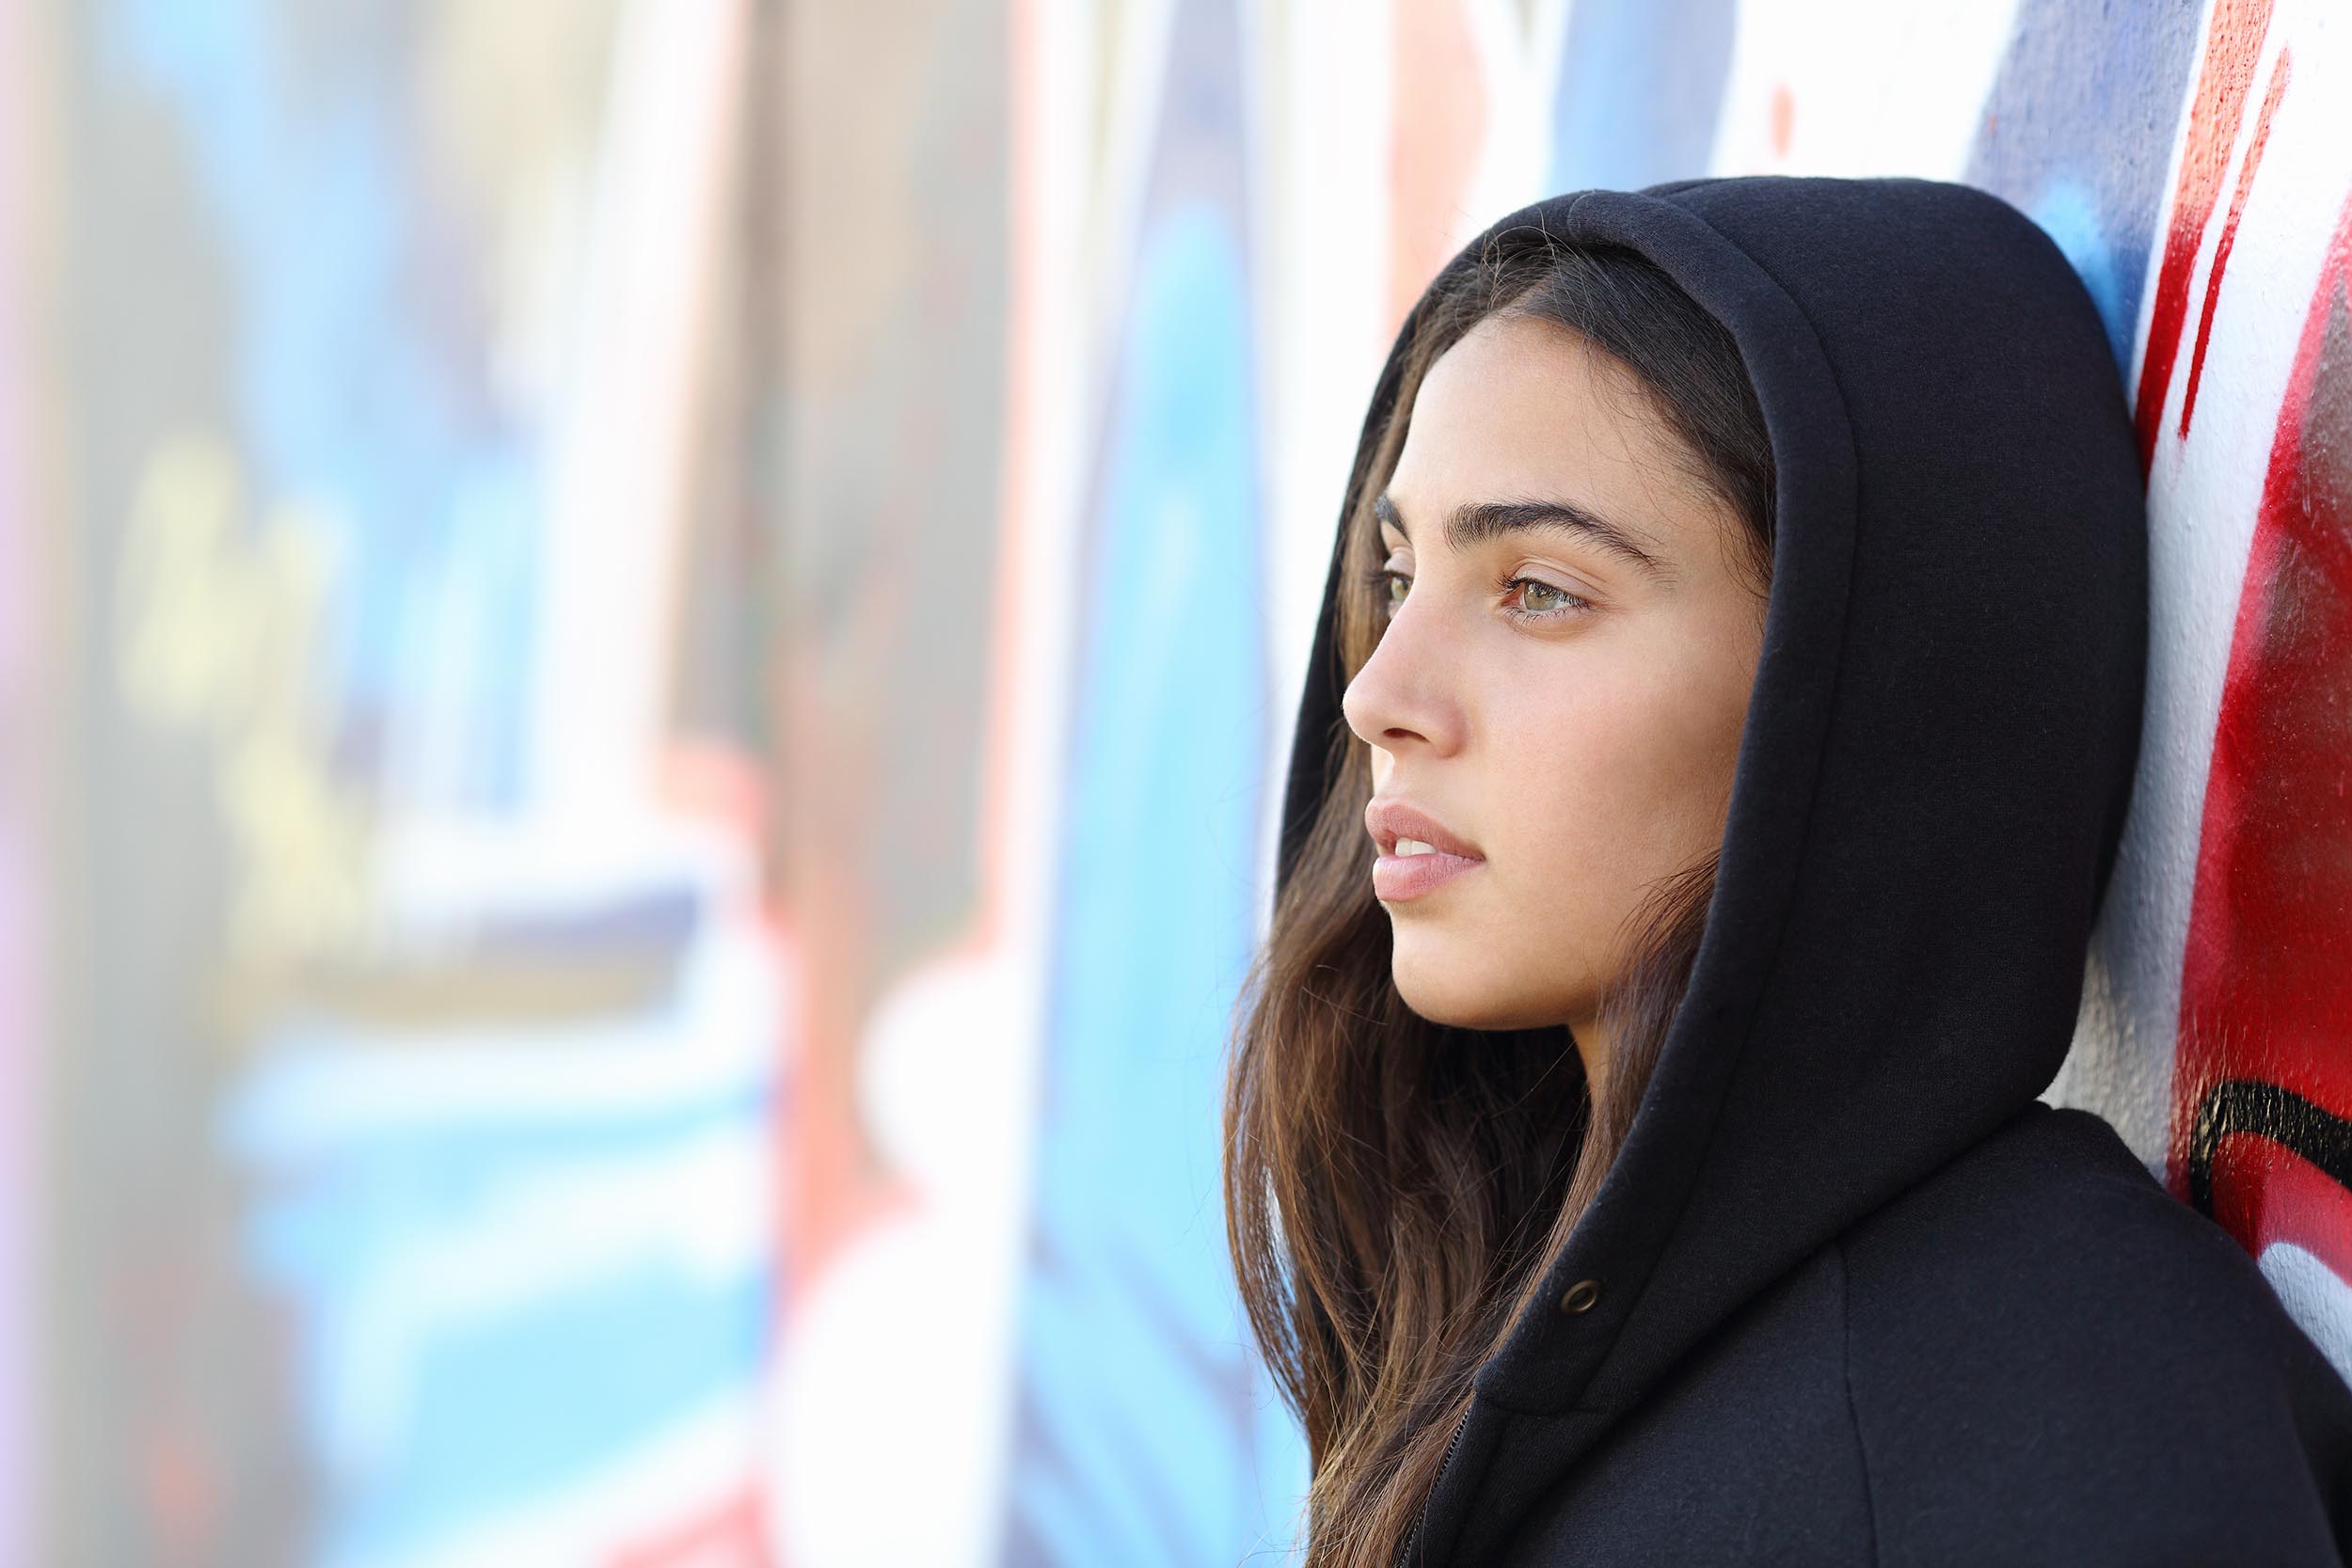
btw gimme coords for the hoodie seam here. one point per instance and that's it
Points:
(1853, 1415)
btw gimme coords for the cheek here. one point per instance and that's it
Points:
(1612, 785)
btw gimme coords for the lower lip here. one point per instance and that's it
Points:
(1396, 878)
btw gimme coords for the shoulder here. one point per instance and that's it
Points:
(2052, 1223)
(2041, 1324)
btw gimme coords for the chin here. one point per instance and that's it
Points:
(1466, 990)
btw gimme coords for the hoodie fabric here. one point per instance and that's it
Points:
(1851, 1293)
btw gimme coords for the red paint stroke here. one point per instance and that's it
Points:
(732, 1533)
(2233, 44)
(2229, 234)
(2262, 1194)
(1438, 124)
(2266, 990)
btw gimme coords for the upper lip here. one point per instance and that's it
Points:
(1389, 820)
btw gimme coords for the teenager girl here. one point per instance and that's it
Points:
(1715, 744)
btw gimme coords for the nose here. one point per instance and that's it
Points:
(1401, 696)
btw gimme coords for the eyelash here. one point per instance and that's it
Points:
(1380, 578)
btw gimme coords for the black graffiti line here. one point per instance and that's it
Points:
(2263, 1110)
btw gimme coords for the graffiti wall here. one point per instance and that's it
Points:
(655, 638)
(415, 1128)
(25, 637)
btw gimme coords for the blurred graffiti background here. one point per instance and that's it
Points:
(646, 646)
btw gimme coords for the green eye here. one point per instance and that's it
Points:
(1541, 601)
(1388, 587)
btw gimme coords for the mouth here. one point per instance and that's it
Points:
(1418, 853)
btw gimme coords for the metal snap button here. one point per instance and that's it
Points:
(1581, 1296)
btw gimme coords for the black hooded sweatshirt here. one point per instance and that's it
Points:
(1850, 1292)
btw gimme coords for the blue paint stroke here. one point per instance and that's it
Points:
(429, 1417)
(1641, 87)
(2078, 132)
(359, 387)
(1138, 1442)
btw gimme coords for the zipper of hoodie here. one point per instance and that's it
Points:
(1422, 1520)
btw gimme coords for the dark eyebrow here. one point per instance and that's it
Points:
(1474, 523)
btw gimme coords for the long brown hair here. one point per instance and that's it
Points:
(1393, 1188)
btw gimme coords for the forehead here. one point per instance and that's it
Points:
(1523, 407)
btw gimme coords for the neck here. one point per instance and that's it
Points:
(1592, 1047)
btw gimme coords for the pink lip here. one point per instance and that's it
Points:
(1396, 878)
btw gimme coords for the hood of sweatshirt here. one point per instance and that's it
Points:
(1936, 757)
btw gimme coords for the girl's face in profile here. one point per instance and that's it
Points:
(1560, 686)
